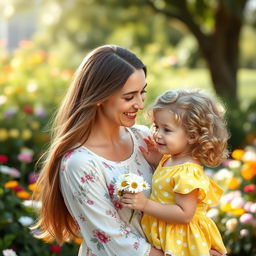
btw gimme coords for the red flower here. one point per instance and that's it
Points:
(111, 190)
(249, 188)
(101, 237)
(117, 204)
(18, 188)
(28, 109)
(55, 248)
(3, 159)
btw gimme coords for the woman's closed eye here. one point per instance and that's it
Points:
(129, 98)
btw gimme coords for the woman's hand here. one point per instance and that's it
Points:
(135, 201)
(151, 154)
(156, 252)
(215, 253)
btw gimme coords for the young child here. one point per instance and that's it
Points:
(190, 132)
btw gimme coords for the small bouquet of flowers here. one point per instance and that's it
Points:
(132, 183)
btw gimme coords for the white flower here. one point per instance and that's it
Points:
(130, 182)
(234, 164)
(231, 224)
(213, 213)
(25, 221)
(249, 156)
(32, 204)
(223, 174)
(237, 202)
(9, 252)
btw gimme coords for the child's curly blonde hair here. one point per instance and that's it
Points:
(201, 117)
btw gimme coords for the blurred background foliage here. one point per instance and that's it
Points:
(178, 41)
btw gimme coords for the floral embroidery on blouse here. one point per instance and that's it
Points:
(108, 166)
(100, 238)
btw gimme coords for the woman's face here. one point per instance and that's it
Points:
(122, 107)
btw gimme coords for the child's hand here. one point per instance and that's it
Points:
(151, 154)
(135, 201)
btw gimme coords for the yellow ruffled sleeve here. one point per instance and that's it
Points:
(190, 177)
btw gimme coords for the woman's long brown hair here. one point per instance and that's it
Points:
(103, 72)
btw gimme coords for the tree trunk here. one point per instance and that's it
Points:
(221, 52)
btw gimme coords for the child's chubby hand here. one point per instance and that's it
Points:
(151, 154)
(135, 201)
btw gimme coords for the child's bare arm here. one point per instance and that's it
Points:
(180, 213)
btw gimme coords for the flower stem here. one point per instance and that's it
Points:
(130, 220)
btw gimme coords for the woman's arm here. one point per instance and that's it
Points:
(180, 213)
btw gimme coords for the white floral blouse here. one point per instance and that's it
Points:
(87, 184)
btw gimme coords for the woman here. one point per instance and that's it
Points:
(94, 141)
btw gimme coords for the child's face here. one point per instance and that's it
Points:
(170, 137)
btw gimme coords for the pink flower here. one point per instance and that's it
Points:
(14, 173)
(117, 204)
(248, 205)
(86, 177)
(136, 245)
(111, 190)
(103, 238)
(68, 155)
(246, 218)
(25, 158)
(90, 202)
(249, 188)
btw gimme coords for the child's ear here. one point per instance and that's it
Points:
(192, 138)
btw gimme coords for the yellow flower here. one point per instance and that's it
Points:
(237, 154)
(11, 184)
(32, 186)
(14, 133)
(9, 90)
(78, 240)
(26, 134)
(35, 125)
(3, 134)
(47, 239)
(233, 183)
(16, 63)
(23, 195)
(238, 211)
(248, 171)
(226, 208)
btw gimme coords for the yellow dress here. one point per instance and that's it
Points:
(201, 234)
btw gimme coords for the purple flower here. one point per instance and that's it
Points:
(40, 111)
(10, 112)
(32, 178)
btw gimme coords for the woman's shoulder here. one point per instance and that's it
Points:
(78, 157)
(140, 130)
